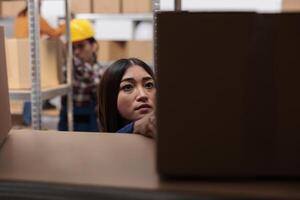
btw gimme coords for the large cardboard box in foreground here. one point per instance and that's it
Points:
(106, 6)
(4, 101)
(136, 6)
(140, 49)
(111, 50)
(11, 8)
(243, 114)
(18, 63)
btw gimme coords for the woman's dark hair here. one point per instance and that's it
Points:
(110, 118)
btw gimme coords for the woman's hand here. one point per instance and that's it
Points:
(146, 126)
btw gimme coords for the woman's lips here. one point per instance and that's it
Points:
(143, 107)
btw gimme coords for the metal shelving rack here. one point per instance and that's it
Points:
(156, 8)
(36, 94)
(46, 93)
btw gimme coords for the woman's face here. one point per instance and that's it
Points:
(84, 50)
(137, 94)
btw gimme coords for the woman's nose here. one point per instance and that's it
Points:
(142, 95)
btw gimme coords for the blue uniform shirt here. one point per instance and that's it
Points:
(127, 129)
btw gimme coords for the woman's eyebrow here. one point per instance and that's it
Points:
(127, 79)
(147, 78)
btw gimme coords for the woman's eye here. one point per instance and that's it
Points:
(127, 88)
(149, 85)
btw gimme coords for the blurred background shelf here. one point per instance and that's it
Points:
(47, 93)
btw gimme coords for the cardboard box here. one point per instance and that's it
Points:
(17, 55)
(243, 121)
(111, 50)
(4, 97)
(290, 5)
(81, 6)
(11, 8)
(140, 49)
(136, 6)
(106, 6)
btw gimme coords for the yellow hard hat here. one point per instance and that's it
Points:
(81, 29)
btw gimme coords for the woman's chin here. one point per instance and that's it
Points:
(140, 116)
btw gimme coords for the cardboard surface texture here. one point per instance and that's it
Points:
(79, 6)
(140, 49)
(98, 162)
(239, 116)
(11, 8)
(136, 6)
(17, 54)
(4, 98)
(290, 5)
(106, 6)
(111, 50)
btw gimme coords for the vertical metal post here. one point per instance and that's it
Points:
(34, 44)
(69, 66)
(156, 8)
(177, 5)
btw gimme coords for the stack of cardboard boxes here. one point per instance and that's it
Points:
(111, 6)
(11, 8)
